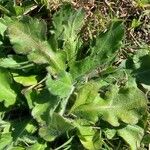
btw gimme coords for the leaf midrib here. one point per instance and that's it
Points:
(49, 55)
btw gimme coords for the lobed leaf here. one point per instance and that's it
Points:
(67, 23)
(103, 53)
(125, 104)
(26, 40)
(86, 94)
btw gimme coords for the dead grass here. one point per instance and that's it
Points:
(134, 13)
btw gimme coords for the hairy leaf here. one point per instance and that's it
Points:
(61, 86)
(88, 101)
(103, 52)
(87, 135)
(29, 37)
(6, 140)
(4, 22)
(9, 63)
(133, 135)
(126, 104)
(87, 93)
(142, 71)
(7, 94)
(56, 126)
(43, 104)
(67, 24)
(14, 62)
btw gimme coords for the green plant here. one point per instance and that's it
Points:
(58, 92)
(142, 3)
